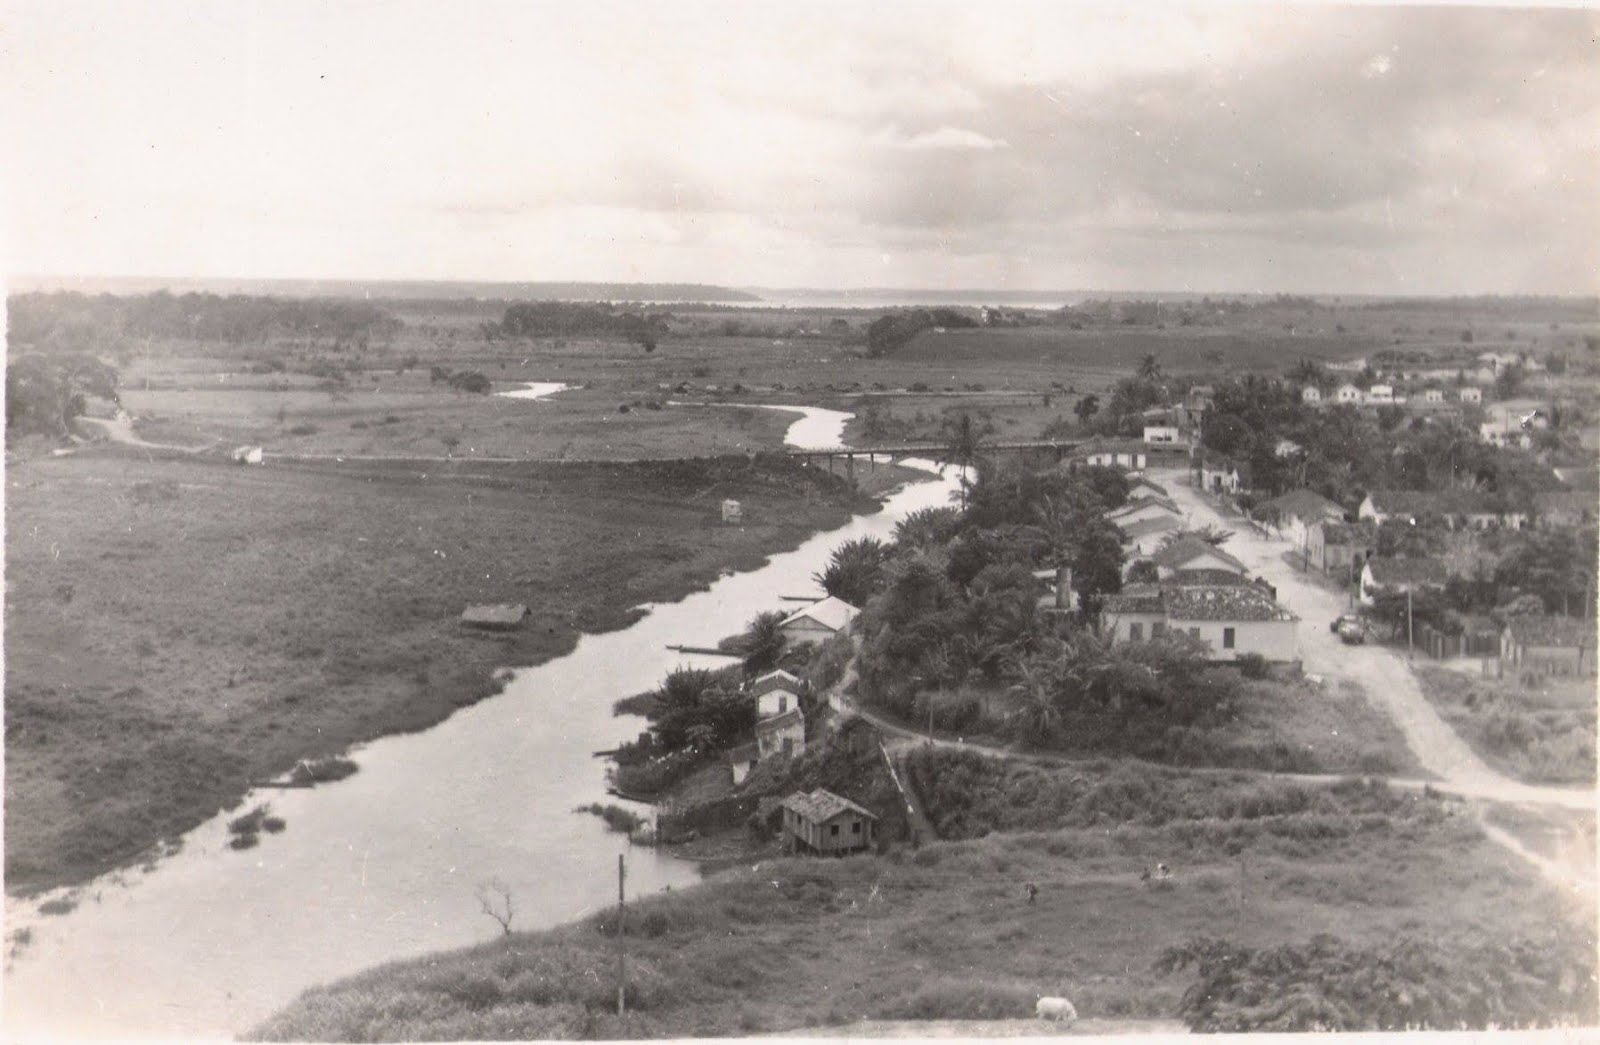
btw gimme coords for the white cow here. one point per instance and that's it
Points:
(1058, 1009)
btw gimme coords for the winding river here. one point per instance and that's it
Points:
(384, 865)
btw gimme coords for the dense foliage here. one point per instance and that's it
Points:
(576, 319)
(1403, 984)
(45, 392)
(80, 322)
(895, 330)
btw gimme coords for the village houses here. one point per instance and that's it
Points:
(1544, 645)
(1294, 513)
(1455, 508)
(1471, 395)
(1217, 474)
(1191, 553)
(1129, 454)
(1347, 394)
(1311, 395)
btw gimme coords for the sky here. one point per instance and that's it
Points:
(1019, 146)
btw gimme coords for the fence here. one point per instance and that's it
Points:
(1439, 645)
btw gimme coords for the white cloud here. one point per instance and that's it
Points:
(942, 138)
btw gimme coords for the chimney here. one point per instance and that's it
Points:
(1063, 587)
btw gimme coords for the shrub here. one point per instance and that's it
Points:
(1252, 665)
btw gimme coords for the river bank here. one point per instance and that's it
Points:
(179, 629)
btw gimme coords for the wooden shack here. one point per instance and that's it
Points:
(732, 511)
(823, 822)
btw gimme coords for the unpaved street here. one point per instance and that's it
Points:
(1381, 672)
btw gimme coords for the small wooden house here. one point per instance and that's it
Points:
(823, 822)
(504, 617)
(732, 511)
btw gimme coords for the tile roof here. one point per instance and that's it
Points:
(1134, 503)
(780, 681)
(1207, 575)
(1360, 533)
(1144, 527)
(831, 613)
(821, 806)
(1389, 571)
(1134, 598)
(1540, 630)
(779, 722)
(1138, 481)
(1222, 602)
(1443, 502)
(1187, 549)
(1305, 504)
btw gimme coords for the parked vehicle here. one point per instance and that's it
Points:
(1351, 630)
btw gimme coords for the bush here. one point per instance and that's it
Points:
(1252, 665)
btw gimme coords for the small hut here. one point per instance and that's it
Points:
(504, 617)
(247, 455)
(732, 511)
(823, 822)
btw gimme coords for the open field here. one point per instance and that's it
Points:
(177, 628)
(946, 932)
(1539, 735)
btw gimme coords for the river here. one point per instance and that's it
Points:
(384, 865)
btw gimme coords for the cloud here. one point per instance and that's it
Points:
(941, 139)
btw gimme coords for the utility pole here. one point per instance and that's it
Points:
(622, 942)
(1410, 649)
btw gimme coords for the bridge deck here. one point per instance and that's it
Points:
(932, 450)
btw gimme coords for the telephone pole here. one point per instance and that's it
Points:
(1410, 649)
(622, 941)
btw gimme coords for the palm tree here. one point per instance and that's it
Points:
(1149, 369)
(1038, 712)
(763, 643)
(963, 447)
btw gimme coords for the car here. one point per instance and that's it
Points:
(1351, 630)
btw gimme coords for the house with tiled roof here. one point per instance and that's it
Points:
(1381, 574)
(1455, 508)
(1340, 548)
(823, 822)
(1547, 645)
(775, 693)
(1129, 454)
(1294, 513)
(1190, 553)
(1138, 509)
(1232, 620)
(1215, 473)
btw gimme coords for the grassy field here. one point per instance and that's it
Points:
(1542, 735)
(177, 628)
(946, 931)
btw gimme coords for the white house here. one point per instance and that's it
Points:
(1161, 435)
(1124, 453)
(1233, 620)
(1287, 448)
(741, 760)
(1434, 395)
(1380, 395)
(1220, 475)
(783, 734)
(1347, 393)
(732, 511)
(775, 692)
(1311, 395)
(1505, 431)
(1471, 395)
(1295, 512)
(818, 622)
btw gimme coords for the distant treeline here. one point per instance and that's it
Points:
(81, 322)
(894, 331)
(578, 319)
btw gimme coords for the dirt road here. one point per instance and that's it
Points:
(1381, 672)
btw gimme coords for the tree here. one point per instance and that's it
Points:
(1143, 572)
(855, 570)
(1086, 408)
(763, 643)
(494, 900)
(1149, 369)
(1508, 382)
(963, 444)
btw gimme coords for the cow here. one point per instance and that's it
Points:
(1059, 1010)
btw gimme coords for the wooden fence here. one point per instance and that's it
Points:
(1439, 645)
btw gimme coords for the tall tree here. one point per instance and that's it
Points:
(963, 438)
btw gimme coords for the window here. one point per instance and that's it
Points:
(855, 828)
(783, 703)
(834, 830)
(1227, 638)
(1158, 629)
(1135, 632)
(1194, 633)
